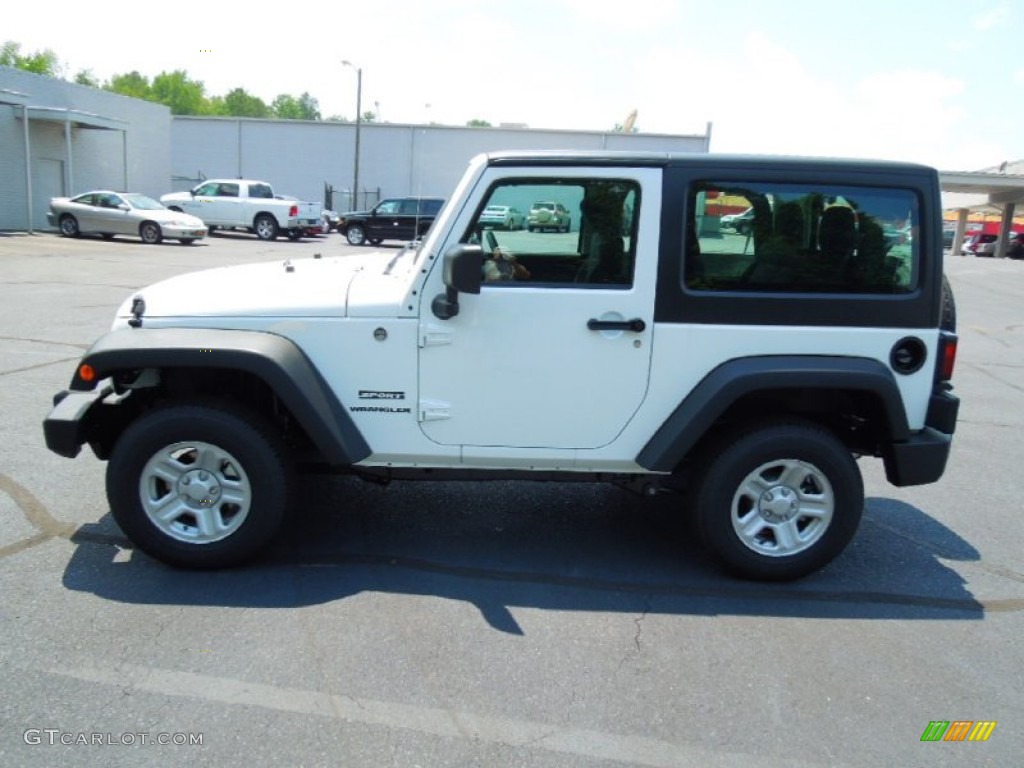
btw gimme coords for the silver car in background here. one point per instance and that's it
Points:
(108, 214)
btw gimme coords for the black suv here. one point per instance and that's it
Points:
(396, 218)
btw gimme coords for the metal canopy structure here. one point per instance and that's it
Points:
(995, 191)
(69, 118)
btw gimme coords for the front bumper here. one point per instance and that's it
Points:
(65, 428)
(172, 231)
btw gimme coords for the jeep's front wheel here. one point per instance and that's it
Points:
(198, 486)
(779, 501)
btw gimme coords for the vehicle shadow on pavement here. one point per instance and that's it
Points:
(548, 546)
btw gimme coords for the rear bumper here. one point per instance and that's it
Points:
(922, 458)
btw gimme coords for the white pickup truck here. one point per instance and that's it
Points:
(245, 203)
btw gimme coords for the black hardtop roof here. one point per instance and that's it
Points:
(694, 159)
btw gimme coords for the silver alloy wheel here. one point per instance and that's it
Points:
(68, 226)
(355, 235)
(195, 492)
(265, 228)
(783, 507)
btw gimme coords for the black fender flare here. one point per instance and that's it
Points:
(277, 361)
(734, 379)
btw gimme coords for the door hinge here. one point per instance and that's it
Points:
(434, 410)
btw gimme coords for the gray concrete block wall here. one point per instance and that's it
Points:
(100, 158)
(299, 157)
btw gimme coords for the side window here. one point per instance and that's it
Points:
(430, 207)
(407, 208)
(387, 208)
(801, 238)
(558, 232)
(228, 190)
(209, 189)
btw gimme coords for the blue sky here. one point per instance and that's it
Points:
(933, 81)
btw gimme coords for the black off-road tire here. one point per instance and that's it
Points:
(778, 501)
(202, 485)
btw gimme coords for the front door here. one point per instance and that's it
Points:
(555, 351)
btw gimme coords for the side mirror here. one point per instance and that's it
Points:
(192, 192)
(124, 206)
(462, 267)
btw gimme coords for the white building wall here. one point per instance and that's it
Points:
(137, 157)
(300, 157)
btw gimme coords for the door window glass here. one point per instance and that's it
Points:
(575, 232)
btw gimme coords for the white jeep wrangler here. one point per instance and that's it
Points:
(647, 345)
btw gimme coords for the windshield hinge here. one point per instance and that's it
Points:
(434, 410)
(435, 336)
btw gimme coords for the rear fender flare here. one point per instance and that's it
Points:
(732, 380)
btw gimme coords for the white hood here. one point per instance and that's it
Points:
(300, 288)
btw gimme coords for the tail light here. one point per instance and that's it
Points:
(947, 356)
(293, 211)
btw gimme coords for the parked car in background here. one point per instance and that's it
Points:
(979, 245)
(548, 215)
(396, 218)
(729, 220)
(502, 217)
(107, 213)
(1015, 248)
(330, 220)
(248, 204)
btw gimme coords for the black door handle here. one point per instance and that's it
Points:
(636, 325)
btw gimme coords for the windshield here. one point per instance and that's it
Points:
(142, 202)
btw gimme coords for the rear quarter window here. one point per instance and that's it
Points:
(801, 238)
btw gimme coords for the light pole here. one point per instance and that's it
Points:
(359, 123)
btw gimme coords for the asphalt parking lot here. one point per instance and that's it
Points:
(508, 624)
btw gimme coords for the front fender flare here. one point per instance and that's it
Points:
(277, 361)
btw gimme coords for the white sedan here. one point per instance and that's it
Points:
(122, 213)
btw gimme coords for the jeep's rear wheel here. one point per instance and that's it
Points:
(779, 501)
(198, 486)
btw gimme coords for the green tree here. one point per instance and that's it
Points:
(41, 62)
(287, 107)
(477, 123)
(310, 106)
(182, 95)
(131, 84)
(239, 103)
(86, 77)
